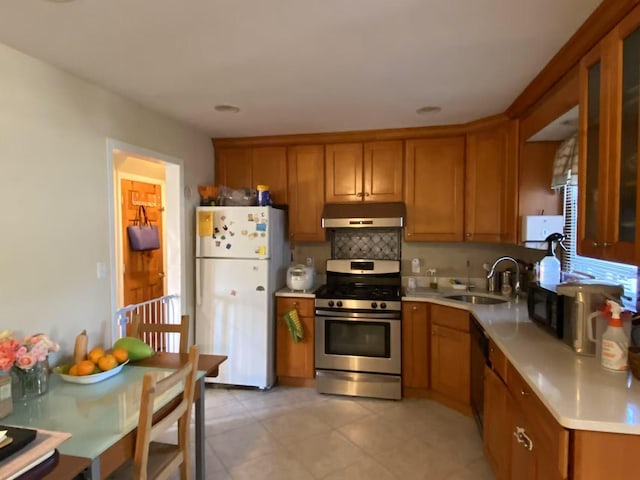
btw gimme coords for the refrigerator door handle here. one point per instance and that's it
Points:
(198, 284)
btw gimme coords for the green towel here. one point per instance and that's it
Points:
(294, 325)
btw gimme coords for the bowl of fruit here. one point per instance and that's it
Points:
(94, 366)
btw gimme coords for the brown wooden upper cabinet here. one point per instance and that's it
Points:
(608, 146)
(306, 193)
(370, 172)
(491, 184)
(241, 167)
(434, 189)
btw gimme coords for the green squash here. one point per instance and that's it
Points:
(137, 349)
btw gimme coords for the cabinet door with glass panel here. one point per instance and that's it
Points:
(609, 144)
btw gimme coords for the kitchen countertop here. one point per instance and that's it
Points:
(578, 392)
(287, 292)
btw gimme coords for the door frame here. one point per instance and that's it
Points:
(174, 222)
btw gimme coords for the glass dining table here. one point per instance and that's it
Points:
(102, 417)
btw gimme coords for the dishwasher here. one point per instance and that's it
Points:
(479, 358)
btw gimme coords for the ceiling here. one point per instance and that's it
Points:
(300, 66)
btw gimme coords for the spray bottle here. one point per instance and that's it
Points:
(615, 343)
(550, 265)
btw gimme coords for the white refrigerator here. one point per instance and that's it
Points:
(242, 256)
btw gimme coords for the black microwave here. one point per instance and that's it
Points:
(546, 308)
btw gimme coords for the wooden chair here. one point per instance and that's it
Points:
(156, 334)
(154, 460)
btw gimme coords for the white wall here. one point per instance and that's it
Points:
(54, 194)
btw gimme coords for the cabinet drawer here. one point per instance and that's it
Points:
(305, 306)
(450, 317)
(545, 426)
(498, 360)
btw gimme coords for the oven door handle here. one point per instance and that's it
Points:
(358, 315)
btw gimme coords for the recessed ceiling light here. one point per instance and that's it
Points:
(427, 110)
(227, 108)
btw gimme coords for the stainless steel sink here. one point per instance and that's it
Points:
(477, 299)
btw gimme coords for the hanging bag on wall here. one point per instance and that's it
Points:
(143, 235)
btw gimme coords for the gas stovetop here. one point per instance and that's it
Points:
(361, 285)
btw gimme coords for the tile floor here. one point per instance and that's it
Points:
(298, 434)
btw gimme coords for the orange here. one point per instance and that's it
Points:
(95, 354)
(85, 367)
(73, 370)
(121, 355)
(107, 362)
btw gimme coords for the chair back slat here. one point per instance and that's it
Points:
(157, 334)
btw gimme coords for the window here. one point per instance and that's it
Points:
(621, 273)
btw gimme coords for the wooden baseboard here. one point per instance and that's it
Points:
(296, 382)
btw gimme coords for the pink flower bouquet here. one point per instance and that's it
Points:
(26, 354)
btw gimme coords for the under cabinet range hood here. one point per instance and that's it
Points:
(363, 215)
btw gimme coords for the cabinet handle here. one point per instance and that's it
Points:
(414, 307)
(366, 194)
(467, 235)
(524, 393)
(523, 439)
(359, 194)
(607, 244)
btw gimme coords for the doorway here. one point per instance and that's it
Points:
(140, 177)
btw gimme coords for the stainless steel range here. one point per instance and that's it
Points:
(357, 329)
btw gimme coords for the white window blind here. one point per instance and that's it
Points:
(626, 275)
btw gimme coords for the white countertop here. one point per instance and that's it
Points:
(287, 292)
(576, 389)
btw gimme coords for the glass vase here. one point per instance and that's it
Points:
(29, 383)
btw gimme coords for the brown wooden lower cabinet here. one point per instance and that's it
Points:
(531, 456)
(497, 429)
(450, 357)
(522, 440)
(295, 361)
(598, 455)
(415, 348)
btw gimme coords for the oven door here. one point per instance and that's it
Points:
(358, 342)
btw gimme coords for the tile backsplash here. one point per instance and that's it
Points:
(367, 243)
(450, 259)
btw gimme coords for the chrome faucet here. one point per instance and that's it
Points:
(516, 285)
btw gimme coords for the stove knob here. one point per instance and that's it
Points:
(383, 305)
(374, 305)
(339, 304)
(330, 303)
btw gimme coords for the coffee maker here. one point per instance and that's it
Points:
(583, 326)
